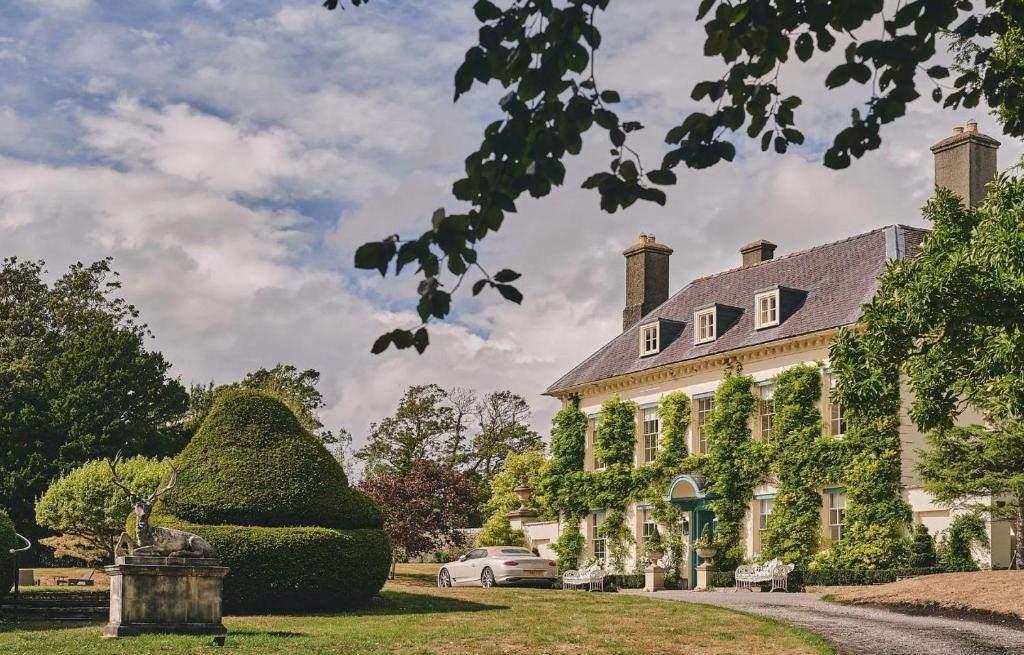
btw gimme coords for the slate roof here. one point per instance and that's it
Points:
(838, 279)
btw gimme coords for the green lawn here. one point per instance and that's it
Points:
(414, 618)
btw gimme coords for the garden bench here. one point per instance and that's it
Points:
(87, 581)
(774, 572)
(591, 578)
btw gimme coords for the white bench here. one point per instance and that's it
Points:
(591, 578)
(774, 571)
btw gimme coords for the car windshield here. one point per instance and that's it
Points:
(515, 551)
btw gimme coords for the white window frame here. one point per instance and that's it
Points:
(647, 524)
(762, 516)
(837, 425)
(648, 416)
(705, 406)
(596, 540)
(705, 332)
(765, 411)
(766, 309)
(592, 427)
(650, 339)
(836, 515)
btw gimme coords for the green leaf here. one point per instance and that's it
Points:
(804, 46)
(381, 344)
(486, 10)
(421, 340)
(506, 275)
(509, 292)
(478, 286)
(662, 176)
(610, 96)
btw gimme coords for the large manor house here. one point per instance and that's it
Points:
(769, 313)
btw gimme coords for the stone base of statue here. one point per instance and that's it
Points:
(167, 595)
(704, 572)
(654, 578)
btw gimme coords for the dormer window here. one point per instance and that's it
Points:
(650, 339)
(704, 320)
(766, 309)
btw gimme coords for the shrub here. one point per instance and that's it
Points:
(278, 509)
(7, 542)
(296, 568)
(569, 547)
(964, 533)
(922, 549)
(252, 463)
(498, 532)
(801, 578)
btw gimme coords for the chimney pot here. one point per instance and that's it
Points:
(966, 162)
(646, 278)
(758, 251)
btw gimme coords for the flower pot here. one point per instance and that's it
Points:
(706, 553)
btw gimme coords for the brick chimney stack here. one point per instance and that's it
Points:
(758, 251)
(966, 162)
(646, 278)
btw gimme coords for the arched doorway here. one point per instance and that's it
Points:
(686, 492)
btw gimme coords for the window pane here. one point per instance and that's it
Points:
(704, 408)
(651, 425)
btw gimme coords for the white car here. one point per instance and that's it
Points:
(498, 565)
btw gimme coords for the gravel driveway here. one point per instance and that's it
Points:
(857, 630)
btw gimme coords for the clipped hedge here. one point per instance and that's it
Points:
(274, 569)
(252, 463)
(628, 581)
(278, 509)
(830, 578)
(7, 542)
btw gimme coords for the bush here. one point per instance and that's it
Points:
(922, 550)
(964, 533)
(252, 463)
(630, 581)
(832, 577)
(498, 532)
(278, 509)
(7, 542)
(297, 568)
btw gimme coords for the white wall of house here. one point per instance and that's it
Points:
(763, 365)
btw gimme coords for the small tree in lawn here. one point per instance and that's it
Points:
(90, 510)
(922, 550)
(498, 532)
(423, 508)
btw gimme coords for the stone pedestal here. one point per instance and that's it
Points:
(704, 572)
(654, 578)
(165, 595)
(26, 578)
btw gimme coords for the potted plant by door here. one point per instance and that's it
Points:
(655, 546)
(705, 546)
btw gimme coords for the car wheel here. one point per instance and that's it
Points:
(444, 579)
(487, 579)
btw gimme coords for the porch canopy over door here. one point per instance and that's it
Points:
(686, 492)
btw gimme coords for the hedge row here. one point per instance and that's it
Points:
(7, 542)
(828, 578)
(285, 569)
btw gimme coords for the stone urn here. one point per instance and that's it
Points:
(706, 552)
(523, 492)
(656, 554)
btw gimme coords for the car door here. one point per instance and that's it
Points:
(469, 570)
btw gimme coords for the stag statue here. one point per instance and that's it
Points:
(157, 542)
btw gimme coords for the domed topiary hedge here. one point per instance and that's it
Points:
(278, 509)
(7, 542)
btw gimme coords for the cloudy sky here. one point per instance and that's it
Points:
(231, 155)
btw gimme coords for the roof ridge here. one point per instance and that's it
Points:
(799, 252)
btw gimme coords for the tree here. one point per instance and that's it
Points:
(949, 320)
(86, 504)
(922, 551)
(504, 420)
(414, 432)
(956, 552)
(424, 507)
(544, 52)
(498, 532)
(295, 388)
(963, 463)
(457, 449)
(517, 469)
(76, 380)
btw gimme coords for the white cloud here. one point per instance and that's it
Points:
(193, 145)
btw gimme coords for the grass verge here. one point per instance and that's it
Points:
(412, 617)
